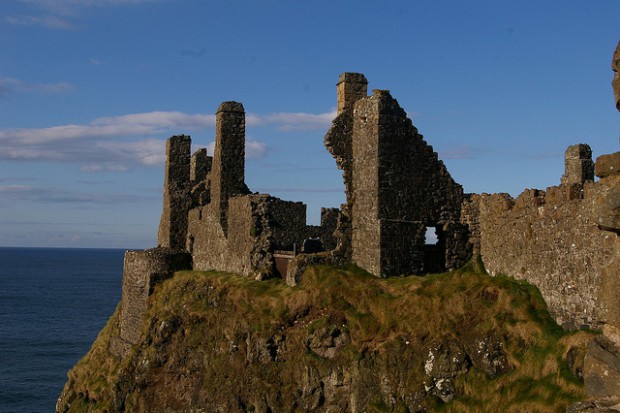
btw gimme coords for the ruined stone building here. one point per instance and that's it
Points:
(563, 240)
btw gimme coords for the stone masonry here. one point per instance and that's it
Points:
(173, 224)
(615, 66)
(549, 238)
(564, 239)
(142, 271)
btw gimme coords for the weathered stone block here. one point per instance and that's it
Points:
(602, 370)
(607, 203)
(177, 201)
(351, 87)
(608, 165)
(578, 165)
(142, 271)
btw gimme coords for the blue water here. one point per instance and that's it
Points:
(53, 302)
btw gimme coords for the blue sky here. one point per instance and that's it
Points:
(90, 90)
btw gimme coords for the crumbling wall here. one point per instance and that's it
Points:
(399, 188)
(228, 169)
(550, 238)
(615, 83)
(351, 87)
(142, 271)
(176, 203)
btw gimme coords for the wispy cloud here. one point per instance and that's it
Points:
(458, 152)
(120, 143)
(56, 195)
(194, 53)
(61, 14)
(69, 7)
(300, 190)
(295, 121)
(253, 149)
(50, 22)
(9, 85)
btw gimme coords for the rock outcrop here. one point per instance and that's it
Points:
(341, 341)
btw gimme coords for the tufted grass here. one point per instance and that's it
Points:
(381, 317)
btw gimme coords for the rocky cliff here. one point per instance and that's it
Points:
(341, 341)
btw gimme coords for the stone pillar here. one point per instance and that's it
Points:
(228, 173)
(177, 201)
(200, 166)
(385, 239)
(142, 271)
(615, 83)
(578, 165)
(351, 88)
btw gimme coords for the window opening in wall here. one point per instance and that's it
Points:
(431, 236)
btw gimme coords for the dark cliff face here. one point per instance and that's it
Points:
(341, 341)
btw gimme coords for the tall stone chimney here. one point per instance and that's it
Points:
(578, 165)
(351, 88)
(228, 169)
(173, 224)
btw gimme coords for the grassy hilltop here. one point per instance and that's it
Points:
(342, 340)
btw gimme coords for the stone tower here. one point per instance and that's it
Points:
(400, 188)
(173, 224)
(578, 165)
(351, 88)
(228, 170)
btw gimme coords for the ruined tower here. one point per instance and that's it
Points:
(400, 188)
(351, 88)
(173, 224)
(578, 165)
(200, 166)
(228, 174)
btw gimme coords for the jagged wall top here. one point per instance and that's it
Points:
(615, 66)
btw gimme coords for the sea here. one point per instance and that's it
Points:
(53, 303)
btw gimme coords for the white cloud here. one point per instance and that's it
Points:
(57, 13)
(69, 7)
(14, 188)
(294, 121)
(118, 143)
(253, 149)
(57, 195)
(51, 22)
(9, 84)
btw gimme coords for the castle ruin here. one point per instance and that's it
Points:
(564, 240)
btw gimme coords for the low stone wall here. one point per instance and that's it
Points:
(551, 239)
(142, 271)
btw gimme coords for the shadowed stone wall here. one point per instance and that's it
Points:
(615, 83)
(228, 174)
(552, 239)
(142, 271)
(173, 224)
(400, 187)
(350, 88)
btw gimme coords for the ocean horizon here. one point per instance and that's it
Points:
(53, 303)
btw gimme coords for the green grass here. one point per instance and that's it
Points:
(388, 324)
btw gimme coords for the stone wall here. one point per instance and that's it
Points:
(615, 83)
(142, 271)
(173, 225)
(551, 239)
(399, 188)
(228, 170)
(229, 229)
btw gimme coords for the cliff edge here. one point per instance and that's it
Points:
(342, 340)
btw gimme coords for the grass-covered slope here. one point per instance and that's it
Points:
(343, 340)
